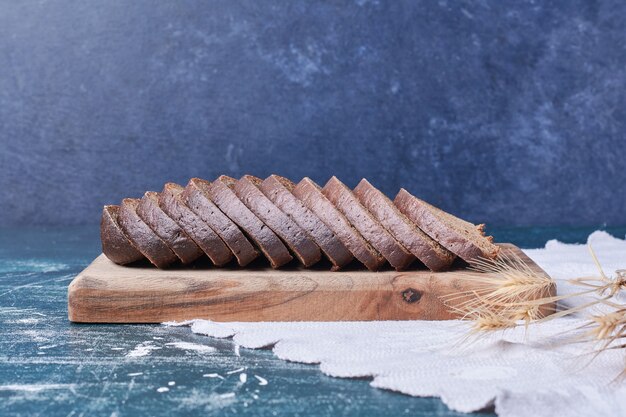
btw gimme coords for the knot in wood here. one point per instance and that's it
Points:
(411, 295)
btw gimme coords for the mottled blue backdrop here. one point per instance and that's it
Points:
(511, 113)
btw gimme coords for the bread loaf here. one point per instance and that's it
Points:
(241, 219)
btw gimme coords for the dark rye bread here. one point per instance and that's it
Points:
(142, 237)
(210, 243)
(167, 229)
(429, 252)
(296, 239)
(115, 244)
(279, 190)
(465, 239)
(341, 196)
(311, 195)
(222, 194)
(197, 197)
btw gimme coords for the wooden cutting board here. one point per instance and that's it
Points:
(108, 293)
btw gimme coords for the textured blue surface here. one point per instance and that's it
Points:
(50, 367)
(53, 368)
(499, 111)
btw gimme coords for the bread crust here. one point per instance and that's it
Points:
(197, 197)
(142, 237)
(434, 256)
(311, 195)
(115, 245)
(426, 218)
(167, 229)
(343, 198)
(171, 202)
(222, 194)
(278, 190)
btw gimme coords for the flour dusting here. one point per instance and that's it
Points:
(36, 387)
(262, 381)
(142, 349)
(213, 376)
(192, 346)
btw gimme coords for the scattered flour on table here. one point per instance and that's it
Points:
(32, 265)
(262, 381)
(192, 346)
(142, 349)
(213, 376)
(47, 347)
(36, 387)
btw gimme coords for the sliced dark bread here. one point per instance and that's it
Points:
(222, 194)
(172, 204)
(279, 190)
(311, 195)
(296, 239)
(465, 239)
(167, 229)
(343, 198)
(428, 251)
(115, 245)
(197, 197)
(142, 236)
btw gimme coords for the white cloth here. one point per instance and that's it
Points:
(533, 373)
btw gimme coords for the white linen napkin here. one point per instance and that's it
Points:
(532, 373)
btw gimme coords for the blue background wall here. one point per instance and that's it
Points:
(504, 112)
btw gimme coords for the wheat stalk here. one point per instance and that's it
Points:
(508, 293)
(503, 293)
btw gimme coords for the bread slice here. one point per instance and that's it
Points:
(341, 196)
(311, 195)
(210, 243)
(115, 245)
(142, 237)
(222, 194)
(465, 239)
(429, 252)
(278, 189)
(300, 244)
(167, 229)
(197, 197)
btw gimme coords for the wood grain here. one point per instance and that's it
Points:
(108, 293)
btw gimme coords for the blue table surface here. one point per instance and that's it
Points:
(51, 367)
